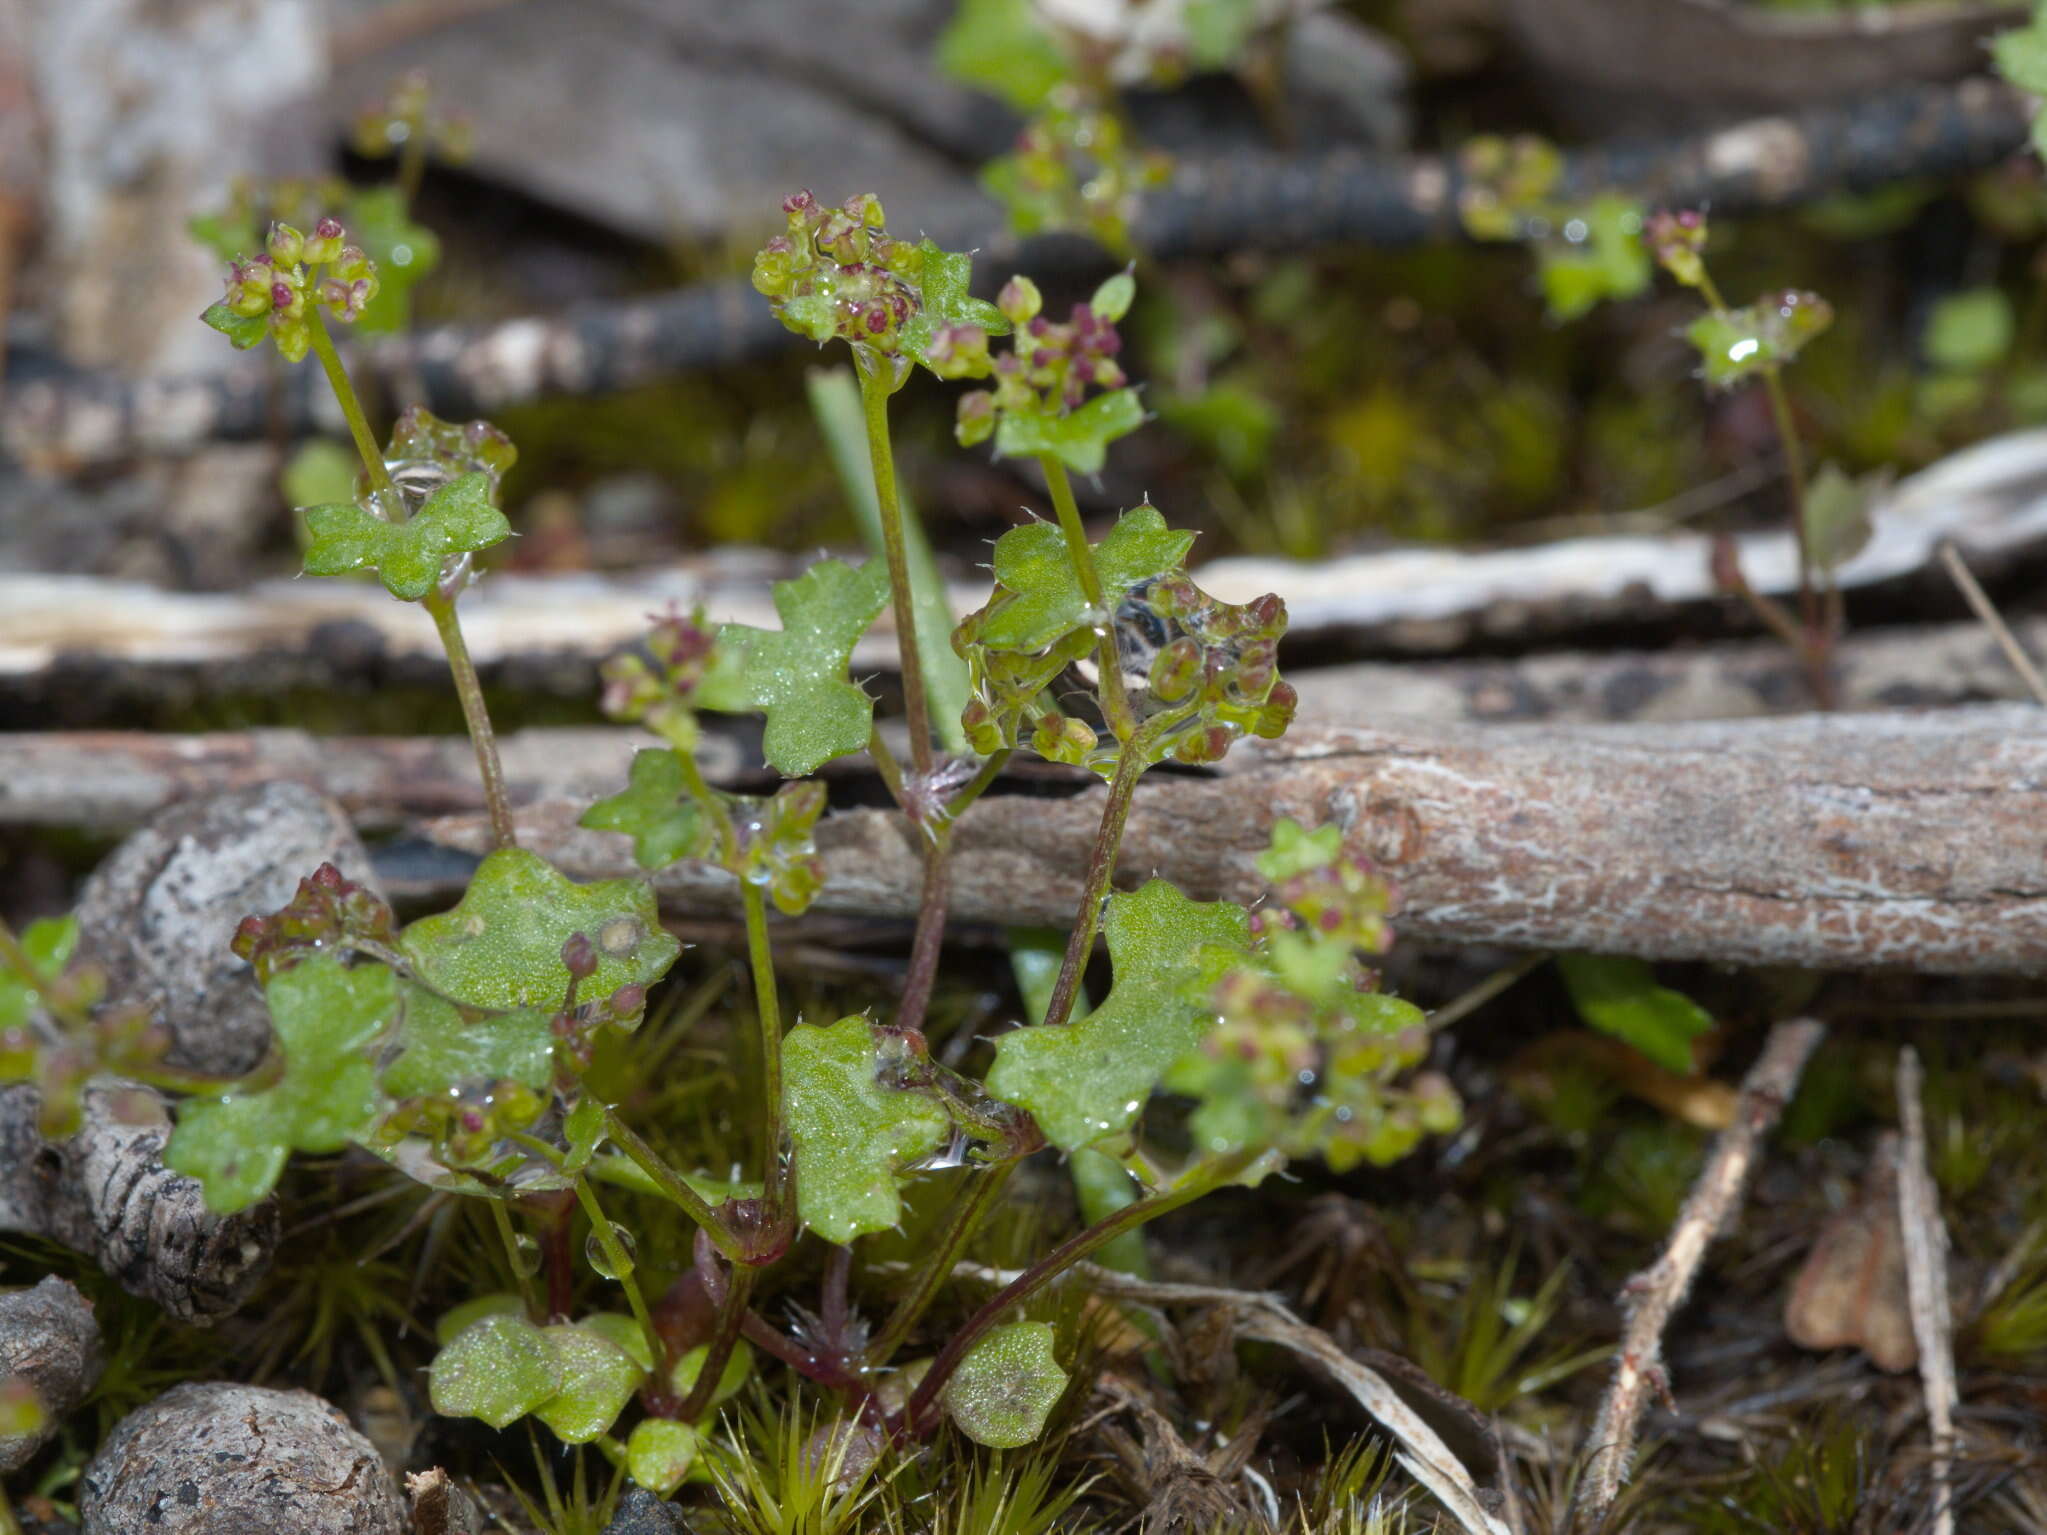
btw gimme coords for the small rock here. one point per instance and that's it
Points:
(220, 1459)
(159, 913)
(48, 1338)
(641, 1513)
(439, 1507)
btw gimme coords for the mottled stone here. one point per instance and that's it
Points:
(50, 1342)
(159, 913)
(219, 1459)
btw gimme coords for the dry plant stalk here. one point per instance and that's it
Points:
(1652, 1296)
(1926, 1283)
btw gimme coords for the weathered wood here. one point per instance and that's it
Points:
(1858, 841)
(1265, 201)
(77, 651)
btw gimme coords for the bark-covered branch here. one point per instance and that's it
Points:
(1263, 201)
(1859, 841)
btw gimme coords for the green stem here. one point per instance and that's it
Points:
(1115, 701)
(875, 388)
(768, 1007)
(1101, 865)
(886, 767)
(440, 607)
(621, 1267)
(366, 447)
(671, 1184)
(16, 960)
(725, 1333)
(502, 1219)
(412, 161)
(968, 1214)
(920, 1413)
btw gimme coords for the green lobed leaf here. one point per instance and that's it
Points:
(682, 1379)
(1000, 47)
(1087, 1080)
(597, 1379)
(851, 1132)
(945, 302)
(498, 1369)
(1007, 1386)
(49, 944)
(459, 518)
(443, 1048)
(242, 331)
(1619, 996)
(796, 675)
(404, 253)
(1736, 344)
(1042, 599)
(655, 810)
(501, 946)
(459, 1319)
(1837, 508)
(2021, 55)
(1079, 439)
(1609, 261)
(326, 1017)
(659, 1453)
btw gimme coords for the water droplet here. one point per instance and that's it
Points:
(526, 1253)
(600, 1259)
(1576, 231)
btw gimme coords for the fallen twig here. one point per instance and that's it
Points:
(1852, 841)
(1926, 1282)
(1269, 201)
(1980, 603)
(1653, 1295)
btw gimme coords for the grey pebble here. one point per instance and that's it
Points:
(220, 1459)
(49, 1339)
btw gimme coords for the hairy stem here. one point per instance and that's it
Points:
(920, 1414)
(1101, 865)
(1115, 702)
(345, 396)
(621, 1267)
(968, 1213)
(724, 1334)
(476, 715)
(768, 1009)
(930, 939)
(671, 1184)
(876, 386)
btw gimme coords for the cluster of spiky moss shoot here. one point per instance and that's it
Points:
(837, 271)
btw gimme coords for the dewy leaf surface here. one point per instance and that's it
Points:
(49, 944)
(459, 518)
(946, 302)
(597, 1379)
(498, 1369)
(501, 947)
(326, 1017)
(652, 809)
(851, 1131)
(1007, 1386)
(1087, 1080)
(1046, 602)
(444, 1049)
(796, 675)
(1079, 439)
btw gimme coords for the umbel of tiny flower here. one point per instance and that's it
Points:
(1049, 367)
(838, 272)
(1676, 240)
(279, 291)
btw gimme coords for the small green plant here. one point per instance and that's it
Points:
(466, 1047)
(1587, 251)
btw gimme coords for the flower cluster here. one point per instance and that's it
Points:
(330, 912)
(1074, 168)
(1307, 1050)
(658, 689)
(1216, 676)
(1677, 241)
(406, 116)
(1049, 367)
(280, 290)
(839, 273)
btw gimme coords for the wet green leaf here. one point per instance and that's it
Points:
(326, 1017)
(1007, 1386)
(852, 1132)
(1087, 1080)
(459, 518)
(242, 331)
(442, 1048)
(1619, 996)
(501, 946)
(1837, 507)
(655, 810)
(659, 1454)
(796, 675)
(597, 1379)
(738, 1369)
(945, 301)
(1736, 344)
(459, 1319)
(1040, 598)
(498, 1369)
(1080, 438)
(1606, 262)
